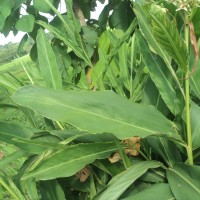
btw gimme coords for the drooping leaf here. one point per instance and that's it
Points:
(65, 163)
(90, 110)
(25, 23)
(184, 181)
(47, 62)
(156, 192)
(122, 181)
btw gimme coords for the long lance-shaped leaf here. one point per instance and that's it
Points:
(159, 74)
(65, 163)
(184, 181)
(145, 26)
(96, 112)
(166, 33)
(47, 62)
(122, 181)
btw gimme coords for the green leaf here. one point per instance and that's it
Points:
(42, 6)
(146, 28)
(195, 20)
(51, 190)
(9, 131)
(73, 159)
(156, 191)
(25, 23)
(159, 75)
(184, 181)
(47, 62)
(118, 185)
(89, 110)
(6, 7)
(121, 16)
(167, 35)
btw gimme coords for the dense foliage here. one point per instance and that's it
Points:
(112, 104)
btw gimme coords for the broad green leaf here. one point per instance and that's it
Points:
(9, 131)
(146, 28)
(42, 6)
(8, 81)
(155, 192)
(6, 7)
(184, 181)
(22, 44)
(159, 75)
(65, 163)
(51, 190)
(25, 23)
(118, 185)
(167, 35)
(47, 62)
(89, 110)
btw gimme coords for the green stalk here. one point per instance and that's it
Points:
(187, 99)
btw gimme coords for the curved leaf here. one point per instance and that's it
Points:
(65, 163)
(96, 112)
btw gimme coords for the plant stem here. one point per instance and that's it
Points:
(187, 99)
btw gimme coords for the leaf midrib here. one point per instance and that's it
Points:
(67, 162)
(97, 115)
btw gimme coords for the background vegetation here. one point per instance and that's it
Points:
(102, 109)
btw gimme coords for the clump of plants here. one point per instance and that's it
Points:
(112, 104)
